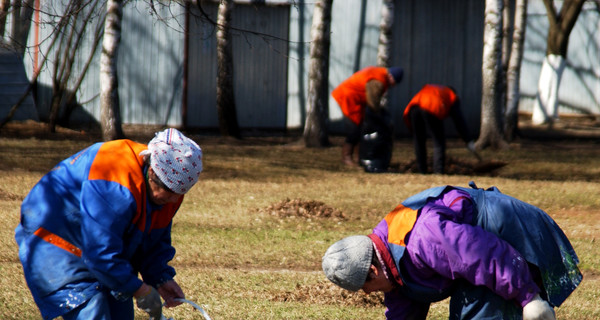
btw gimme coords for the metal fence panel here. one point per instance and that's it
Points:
(259, 48)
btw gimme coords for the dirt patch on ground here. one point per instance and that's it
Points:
(302, 208)
(7, 196)
(40, 130)
(455, 166)
(328, 293)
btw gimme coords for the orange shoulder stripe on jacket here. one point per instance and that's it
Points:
(400, 222)
(119, 161)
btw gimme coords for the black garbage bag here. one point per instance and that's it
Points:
(376, 141)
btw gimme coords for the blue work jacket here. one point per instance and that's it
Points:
(88, 226)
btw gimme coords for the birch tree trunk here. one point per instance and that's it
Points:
(110, 120)
(507, 30)
(226, 109)
(21, 33)
(315, 129)
(4, 6)
(384, 49)
(21, 12)
(491, 100)
(545, 109)
(513, 73)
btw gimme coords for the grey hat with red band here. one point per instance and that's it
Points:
(346, 263)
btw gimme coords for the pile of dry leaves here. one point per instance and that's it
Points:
(8, 196)
(326, 292)
(302, 208)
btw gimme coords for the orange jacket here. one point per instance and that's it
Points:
(351, 94)
(433, 98)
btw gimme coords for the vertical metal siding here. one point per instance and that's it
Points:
(259, 66)
(344, 50)
(151, 61)
(202, 85)
(149, 65)
(441, 42)
(434, 40)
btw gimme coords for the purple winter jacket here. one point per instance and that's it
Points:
(444, 245)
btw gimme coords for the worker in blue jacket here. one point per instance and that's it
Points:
(101, 219)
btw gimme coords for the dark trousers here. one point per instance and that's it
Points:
(352, 131)
(424, 123)
(102, 306)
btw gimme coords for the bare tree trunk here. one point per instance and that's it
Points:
(35, 76)
(513, 74)
(71, 33)
(315, 130)
(226, 109)
(507, 30)
(491, 115)
(545, 109)
(4, 6)
(70, 100)
(66, 34)
(22, 11)
(109, 86)
(384, 49)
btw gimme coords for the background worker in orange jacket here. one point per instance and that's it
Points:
(364, 88)
(425, 113)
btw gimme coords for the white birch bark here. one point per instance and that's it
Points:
(513, 73)
(490, 133)
(545, 108)
(4, 7)
(384, 49)
(315, 129)
(110, 119)
(385, 34)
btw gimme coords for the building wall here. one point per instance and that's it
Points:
(149, 64)
(439, 42)
(259, 66)
(354, 39)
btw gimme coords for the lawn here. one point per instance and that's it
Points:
(250, 235)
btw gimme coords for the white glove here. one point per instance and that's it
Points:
(150, 302)
(538, 309)
(471, 146)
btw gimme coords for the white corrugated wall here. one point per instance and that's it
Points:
(435, 41)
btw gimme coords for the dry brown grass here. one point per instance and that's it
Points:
(250, 236)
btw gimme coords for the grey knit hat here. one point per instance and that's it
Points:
(346, 263)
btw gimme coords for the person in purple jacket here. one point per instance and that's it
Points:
(495, 256)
